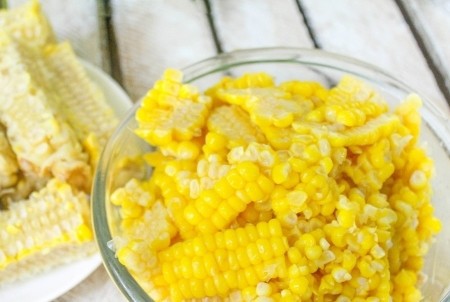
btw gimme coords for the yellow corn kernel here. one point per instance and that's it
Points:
(294, 255)
(254, 192)
(263, 289)
(265, 184)
(235, 180)
(215, 141)
(340, 274)
(299, 285)
(313, 252)
(248, 170)
(346, 218)
(281, 172)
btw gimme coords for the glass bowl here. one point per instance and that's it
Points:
(114, 168)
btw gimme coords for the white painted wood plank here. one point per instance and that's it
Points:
(75, 21)
(263, 23)
(154, 35)
(435, 17)
(432, 22)
(376, 32)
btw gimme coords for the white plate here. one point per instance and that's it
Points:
(49, 285)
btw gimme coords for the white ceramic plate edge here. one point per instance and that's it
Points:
(51, 284)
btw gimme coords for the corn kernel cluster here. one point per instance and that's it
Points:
(289, 192)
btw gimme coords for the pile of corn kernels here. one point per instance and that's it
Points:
(277, 192)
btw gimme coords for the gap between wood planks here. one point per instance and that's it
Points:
(212, 27)
(110, 54)
(218, 43)
(426, 48)
(305, 17)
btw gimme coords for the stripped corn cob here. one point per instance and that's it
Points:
(26, 184)
(80, 102)
(9, 167)
(70, 93)
(50, 228)
(27, 25)
(44, 144)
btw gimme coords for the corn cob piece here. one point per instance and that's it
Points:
(372, 167)
(366, 134)
(174, 201)
(191, 183)
(215, 265)
(216, 208)
(80, 102)
(136, 247)
(27, 25)
(70, 93)
(267, 106)
(25, 185)
(247, 80)
(172, 111)
(140, 207)
(233, 123)
(309, 90)
(50, 228)
(44, 144)
(262, 154)
(9, 167)
(408, 112)
(352, 102)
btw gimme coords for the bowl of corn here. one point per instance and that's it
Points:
(277, 174)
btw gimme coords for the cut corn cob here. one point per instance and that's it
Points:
(351, 102)
(372, 167)
(267, 106)
(174, 201)
(44, 144)
(50, 228)
(233, 123)
(248, 80)
(9, 167)
(27, 25)
(139, 253)
(262, 154)
(366, 134)
(216, 208)
(172, 111)
(215, 265)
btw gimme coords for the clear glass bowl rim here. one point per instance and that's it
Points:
(436, 119)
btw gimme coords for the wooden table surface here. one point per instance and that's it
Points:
(135, 40)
